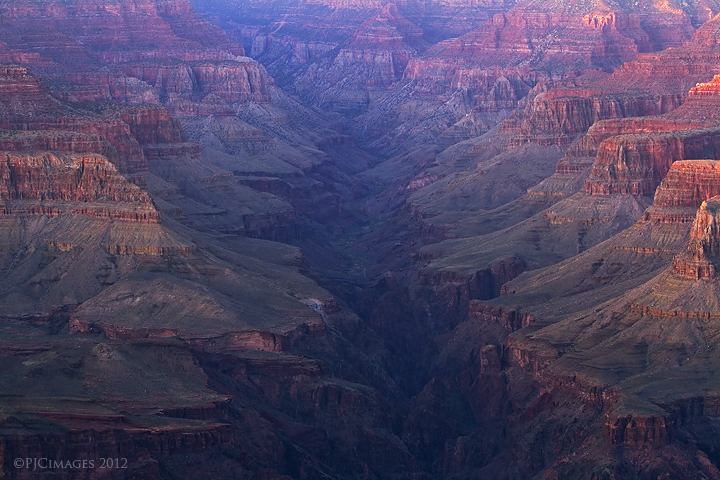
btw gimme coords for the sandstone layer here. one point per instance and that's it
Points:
(88, 184)
(700, 258)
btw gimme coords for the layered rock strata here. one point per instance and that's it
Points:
(27, 105)
(45, 184)
(375, 58)
(57, 141)
(142, 30)
(488, 71)
(687, 184)
(558, 117)
(651, 84)
(182, 60)
(636, 164)
(701, 256)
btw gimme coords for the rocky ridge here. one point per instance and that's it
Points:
(651, 84)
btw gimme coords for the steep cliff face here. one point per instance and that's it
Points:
(558, 117)
(75, 178)
(29, 106)
(78, 184)
(634, 154)
(688, 184)
(174, 84)
(150, 125)
(236, 81)
(57, 141)
(636, 164)
(701, 256)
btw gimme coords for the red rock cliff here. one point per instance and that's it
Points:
(701, 257)
(55, 180)
(636, 164)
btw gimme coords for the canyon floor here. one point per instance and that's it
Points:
(359, 239)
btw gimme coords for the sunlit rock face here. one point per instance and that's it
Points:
(701, 256)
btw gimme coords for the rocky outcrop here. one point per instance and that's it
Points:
(245, 341)
(177, 85)
(483, 284)
(149, 124)
(27, 105)
(636, 164)
(57, 141)
(638, 430)
(558, 117)
(231, 81)
(589, 144)
(688, 184)
(65, 183)
(706, 89)
(512, 320)
(701, 256)
(701, 108)
(105, 87)
(22, 93)
(699, 111)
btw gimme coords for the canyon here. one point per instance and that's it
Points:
(360, 239)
